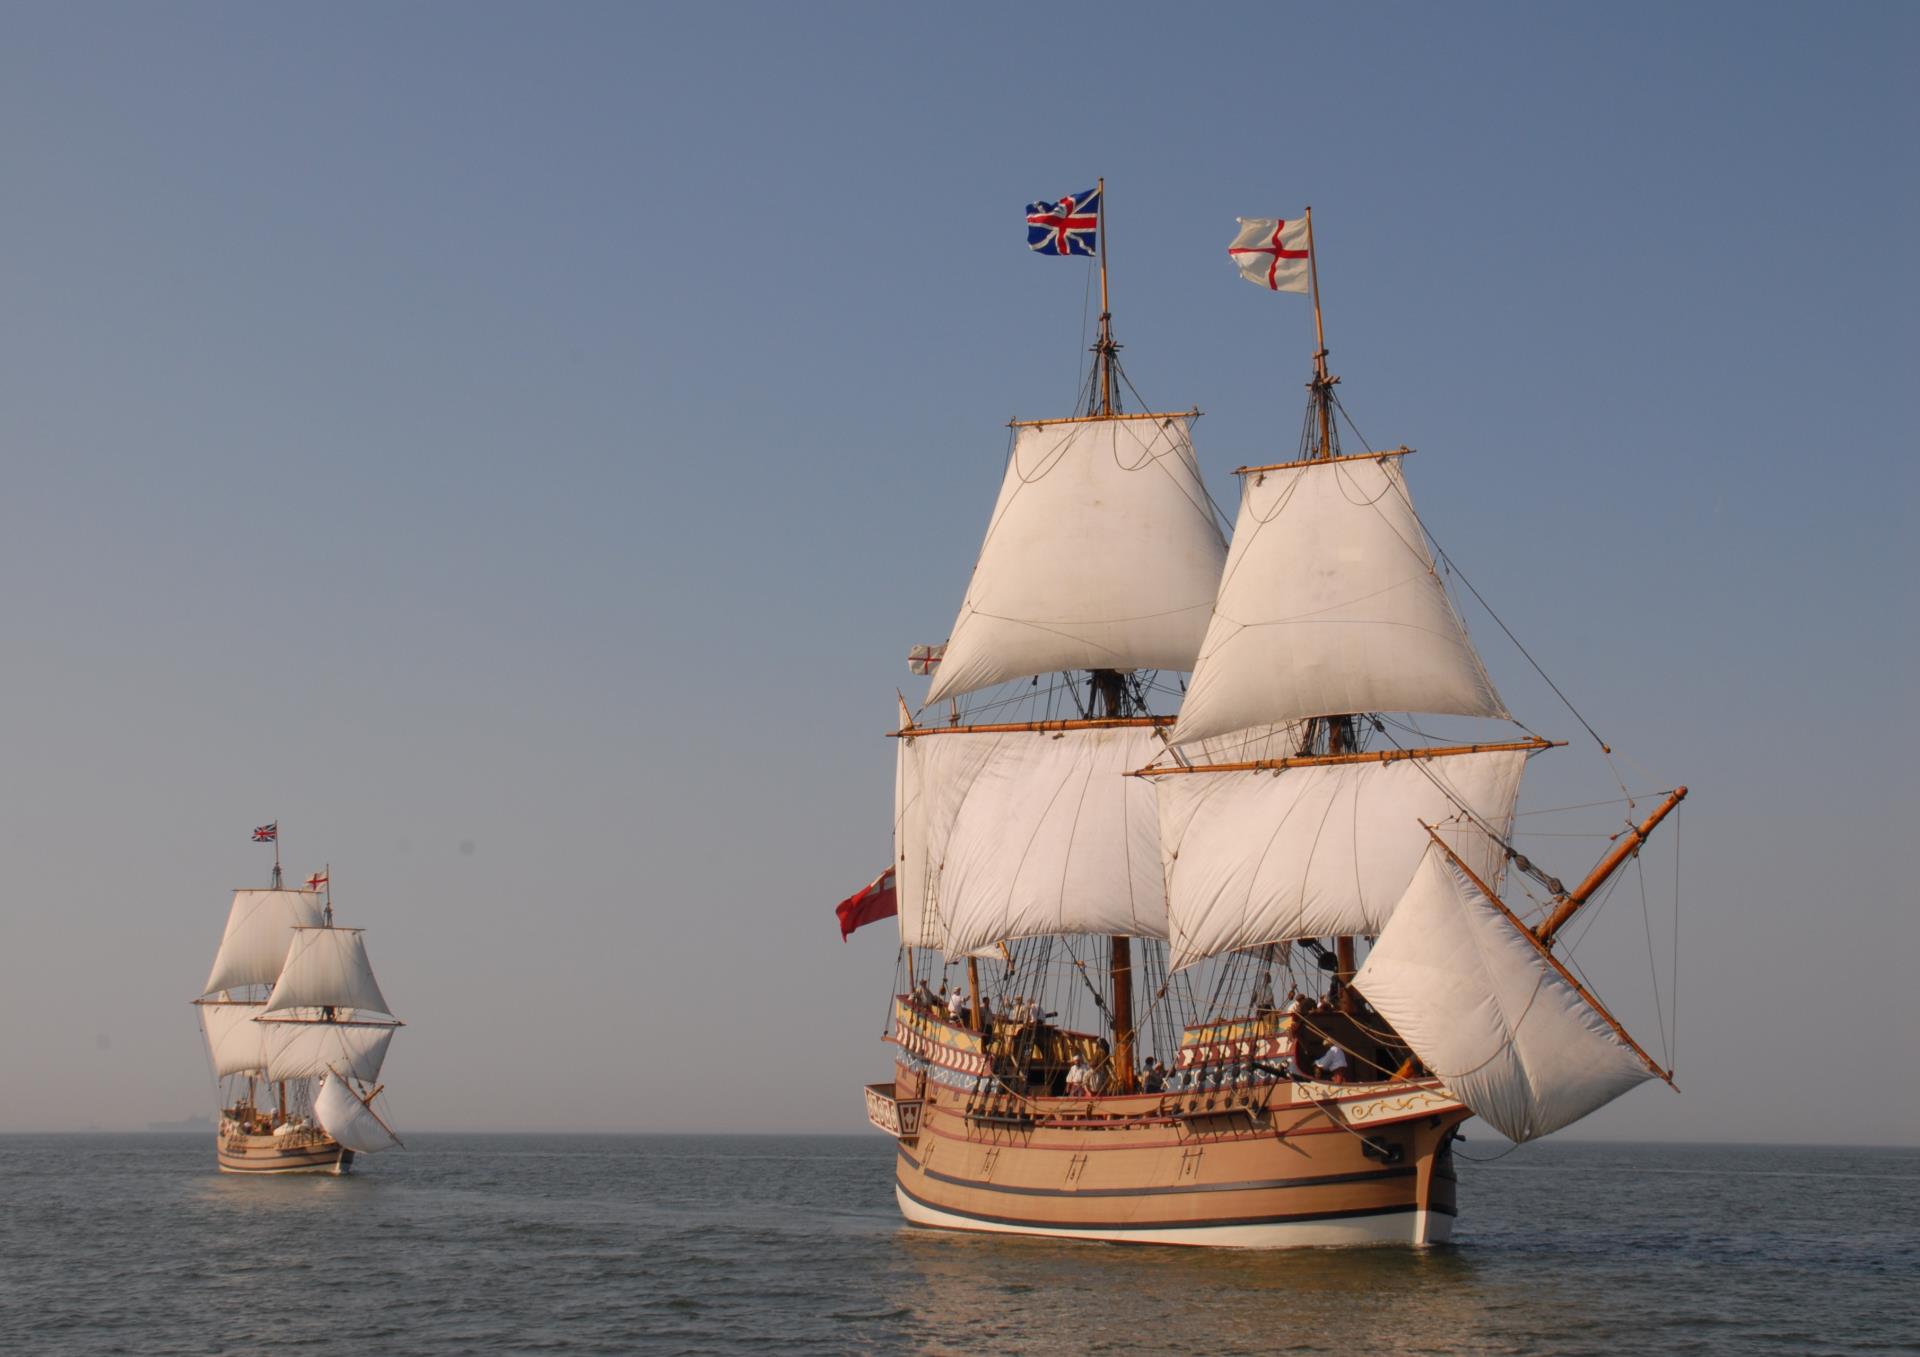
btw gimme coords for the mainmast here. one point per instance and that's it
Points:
(1110, 694)
(1105, 349)
(1102, 558)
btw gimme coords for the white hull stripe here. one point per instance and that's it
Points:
(1407, 1225)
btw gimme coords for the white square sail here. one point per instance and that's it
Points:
(1102, 553)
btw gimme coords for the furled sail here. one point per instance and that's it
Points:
(919, 922)
(259, 929)
(348, 1120)
(1102, 553)
(1330, 605)
(1482, 1008)
(1255, 857)
(1025, 833)
(306, 1050)
(327, 968)
(235, 1041)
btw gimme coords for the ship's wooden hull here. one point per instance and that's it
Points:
(1269, 1164)
(304, 1151)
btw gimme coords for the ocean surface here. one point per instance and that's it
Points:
(783, 1245)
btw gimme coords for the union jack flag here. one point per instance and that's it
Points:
(1069, 226)
(267, 833)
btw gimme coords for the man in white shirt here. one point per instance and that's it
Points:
(1076, 1078)
(1333, 1064)
(955, 1005)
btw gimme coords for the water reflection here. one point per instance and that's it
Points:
(1037, 1295)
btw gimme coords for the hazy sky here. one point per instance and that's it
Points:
(514, 446)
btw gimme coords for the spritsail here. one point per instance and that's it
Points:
(1478, 1001)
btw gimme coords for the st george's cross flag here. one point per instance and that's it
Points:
(1069, 226)
(1272, 254)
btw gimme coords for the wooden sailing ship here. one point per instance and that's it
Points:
(297, 1030)
(1170, 913)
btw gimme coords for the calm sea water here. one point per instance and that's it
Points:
(579, 1244)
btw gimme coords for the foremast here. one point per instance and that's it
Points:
(1330, 609)
(1337, 732)
(1443, 905)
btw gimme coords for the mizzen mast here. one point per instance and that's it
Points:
(1105, 349)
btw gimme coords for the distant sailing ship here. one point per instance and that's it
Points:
(1093, 840)
(297, 1030)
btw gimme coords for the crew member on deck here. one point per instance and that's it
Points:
(1155, 1079)
(1333, 1064)
(1077, 1078)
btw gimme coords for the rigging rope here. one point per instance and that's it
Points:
(1454, 569)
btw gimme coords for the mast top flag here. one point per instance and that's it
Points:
(1069, 226)
(1274, 254)
(270, 833)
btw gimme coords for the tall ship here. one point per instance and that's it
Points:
(297, 1030)
(1204, 939)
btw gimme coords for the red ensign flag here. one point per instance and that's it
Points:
(875, 901)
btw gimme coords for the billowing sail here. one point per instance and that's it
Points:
(259, 930)
(1311, 852)
(1330, 605)
(327, 968)
(1102, 553)
(306, 1050)
(344, 1117)
(1026, 833)
(235, 1041)
(1484, 1011)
